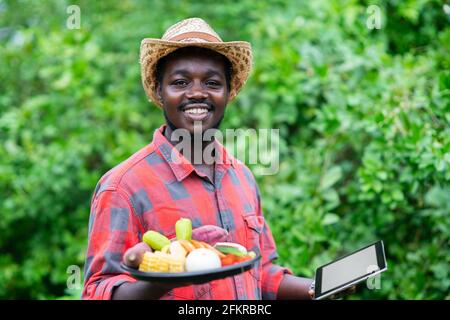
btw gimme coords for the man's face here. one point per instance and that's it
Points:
(194, 89)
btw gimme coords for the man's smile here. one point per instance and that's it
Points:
(197, 111)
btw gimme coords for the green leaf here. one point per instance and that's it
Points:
(332, 176)
(397, 195)
(438, 197)
(330, 218)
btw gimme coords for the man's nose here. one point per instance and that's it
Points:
(196, 92)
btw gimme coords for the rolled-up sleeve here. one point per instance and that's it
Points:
(272, 274)
(113, 228)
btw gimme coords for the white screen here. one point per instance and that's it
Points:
(349, 268)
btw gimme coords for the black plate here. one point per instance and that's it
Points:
(193, 277)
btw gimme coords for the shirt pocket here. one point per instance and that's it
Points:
(254, 229)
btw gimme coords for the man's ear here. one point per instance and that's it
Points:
(158, 92)
(228, 97)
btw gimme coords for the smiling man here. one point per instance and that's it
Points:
(192, 75)
(193, 86)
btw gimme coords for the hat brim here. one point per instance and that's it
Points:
(239, 53)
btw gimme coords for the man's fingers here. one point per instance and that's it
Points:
(340, 295)
(350, 290)
(311, 293)
(133, 256)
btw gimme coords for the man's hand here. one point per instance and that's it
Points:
(336, 296)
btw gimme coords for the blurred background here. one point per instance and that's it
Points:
(363, 111)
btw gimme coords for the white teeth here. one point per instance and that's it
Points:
(197, 110)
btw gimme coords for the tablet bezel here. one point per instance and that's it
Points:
(381, 261)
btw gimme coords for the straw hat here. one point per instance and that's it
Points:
(193, 32)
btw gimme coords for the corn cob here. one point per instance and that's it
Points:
(151, 262)
(161, 262)
(176, 264)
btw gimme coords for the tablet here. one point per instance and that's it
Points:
(350, 270)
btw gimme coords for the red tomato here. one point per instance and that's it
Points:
(229, 259)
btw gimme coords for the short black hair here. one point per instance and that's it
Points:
(161, 65)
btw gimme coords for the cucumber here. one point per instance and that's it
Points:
(183, 229)
(155, 240)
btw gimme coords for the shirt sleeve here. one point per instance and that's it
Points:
(272, 274)
(113, 228)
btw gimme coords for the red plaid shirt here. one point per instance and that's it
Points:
(150, 190)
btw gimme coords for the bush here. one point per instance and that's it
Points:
(363, 118)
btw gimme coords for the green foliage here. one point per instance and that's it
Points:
(363, 118)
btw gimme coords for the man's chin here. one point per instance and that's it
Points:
(197, 127)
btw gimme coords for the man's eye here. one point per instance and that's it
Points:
(180, 83)
(213, 83)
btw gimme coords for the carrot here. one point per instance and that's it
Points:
(230, 259)
(207, 246)
(227, 260)
(187, 245)
(196, 244)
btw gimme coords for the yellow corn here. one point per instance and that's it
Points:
(151, 262)
(176, 266)
(161, 262)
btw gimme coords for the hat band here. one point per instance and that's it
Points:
(205, 36)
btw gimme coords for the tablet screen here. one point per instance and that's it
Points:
(350, 268)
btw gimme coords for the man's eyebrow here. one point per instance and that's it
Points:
(182, 72)
(212, 72)
(185, 72)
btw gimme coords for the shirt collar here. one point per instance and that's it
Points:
(182, 167)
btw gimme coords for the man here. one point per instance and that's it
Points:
(192, 75)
